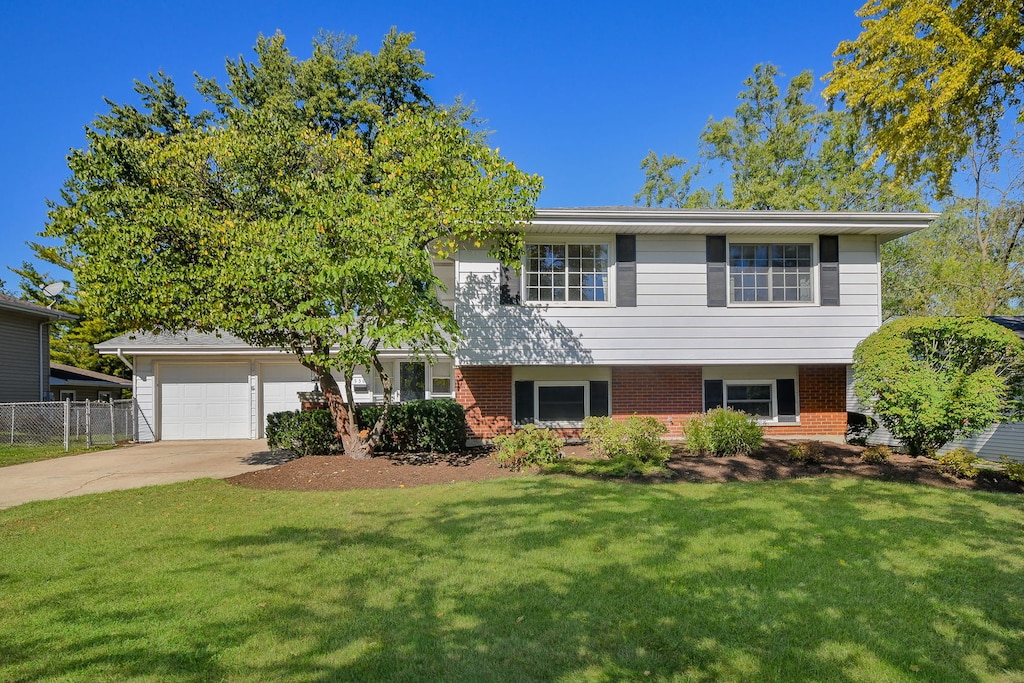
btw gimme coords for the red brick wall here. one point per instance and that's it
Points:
(669, 393)
(486, 394)
(822, 403)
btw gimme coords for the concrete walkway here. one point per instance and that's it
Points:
(128, 467)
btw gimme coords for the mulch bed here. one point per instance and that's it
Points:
(400, 470)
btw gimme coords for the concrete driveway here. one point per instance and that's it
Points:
(128, 467)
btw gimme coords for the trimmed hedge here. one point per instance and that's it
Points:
(437, 424)
(310, 432)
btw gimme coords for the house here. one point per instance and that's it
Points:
(68, 383)
(25, 349)
(615, 311)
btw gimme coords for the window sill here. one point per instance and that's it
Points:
(568, 424)
(569, 304)
(773, 304)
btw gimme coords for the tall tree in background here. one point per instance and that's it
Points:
(303, 212)
(781, 153)
(931, 80)
(936, 85)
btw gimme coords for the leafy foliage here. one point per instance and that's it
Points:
(526, 446)
(876, 455)
(437, 425)
(933, 380)
(303, 212)
(723, 431)
(808, 452)
(781, 153)
(1014, 470)
(858, 428)
(310, 432)
(637, 438)
(960, 463)
(930, 78)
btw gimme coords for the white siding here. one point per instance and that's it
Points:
(671, 323)
(144, 390)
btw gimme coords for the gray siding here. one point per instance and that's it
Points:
(1004, 438)
(21, 358)
(672, 322)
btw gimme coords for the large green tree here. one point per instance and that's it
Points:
(303, 212)
(780, 152)
(932, 380)
(931, 80)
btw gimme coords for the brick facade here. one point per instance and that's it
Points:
(486, 394)
(822, 390)
(670, 393)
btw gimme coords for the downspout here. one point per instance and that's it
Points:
(120, 357)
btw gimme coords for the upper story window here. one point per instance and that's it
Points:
(770, 273)
(566, 272)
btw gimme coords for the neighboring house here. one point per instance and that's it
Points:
(616, 311)
(68, 383)
(25, 349)
(1002, 438)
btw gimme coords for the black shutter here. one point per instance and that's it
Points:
(625, 270)
(786, 399)
(508, 280)
(714, 394)
(599, 399)
(828, 265)
(718, 294)
(524, 403)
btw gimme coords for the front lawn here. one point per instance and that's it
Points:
(533, 578)
(15, 454)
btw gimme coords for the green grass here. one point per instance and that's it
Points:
(21, 453)
(525, 579)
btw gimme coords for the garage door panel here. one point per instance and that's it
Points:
(205, 401)
(279, 387)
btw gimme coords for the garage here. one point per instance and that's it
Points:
(280, 384)
(205, 401)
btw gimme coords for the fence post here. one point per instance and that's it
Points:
(67, 426)
(12, 425)
(88, 425)
(113, 430)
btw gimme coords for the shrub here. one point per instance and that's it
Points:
(311, 432)
(808, 452)
(723, 431)
(427, 425)
(527, 446)
(960, 463)
(876, 455)
(1014, 470)
(637, 439)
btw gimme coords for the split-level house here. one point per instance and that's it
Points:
(25, 349)
(614, 311)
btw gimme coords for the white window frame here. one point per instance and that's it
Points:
(428, 381)
(566, 383)
(102, 395)
(769, 242)
(773, 418)
(67, 395)
(609, 287)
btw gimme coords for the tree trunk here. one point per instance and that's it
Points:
(357, 445)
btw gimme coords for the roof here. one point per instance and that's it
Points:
(11, 303)
(69, 374)
(190, 341)
(649, 220)
(1014, 323)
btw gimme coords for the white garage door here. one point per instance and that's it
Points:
(204, 401)
(280, 386)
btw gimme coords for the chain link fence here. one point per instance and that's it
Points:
(92, 423)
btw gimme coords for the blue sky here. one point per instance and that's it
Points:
(577, 92)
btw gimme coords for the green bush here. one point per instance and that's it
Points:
(960, 463)
(437, 425)
(1014, 470)
(636, 439)
(809, 452)
(310, 432)
(858, 427)
(876, 455)
(527, 446)
(723, 431)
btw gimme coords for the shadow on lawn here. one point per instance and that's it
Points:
(827, 580)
